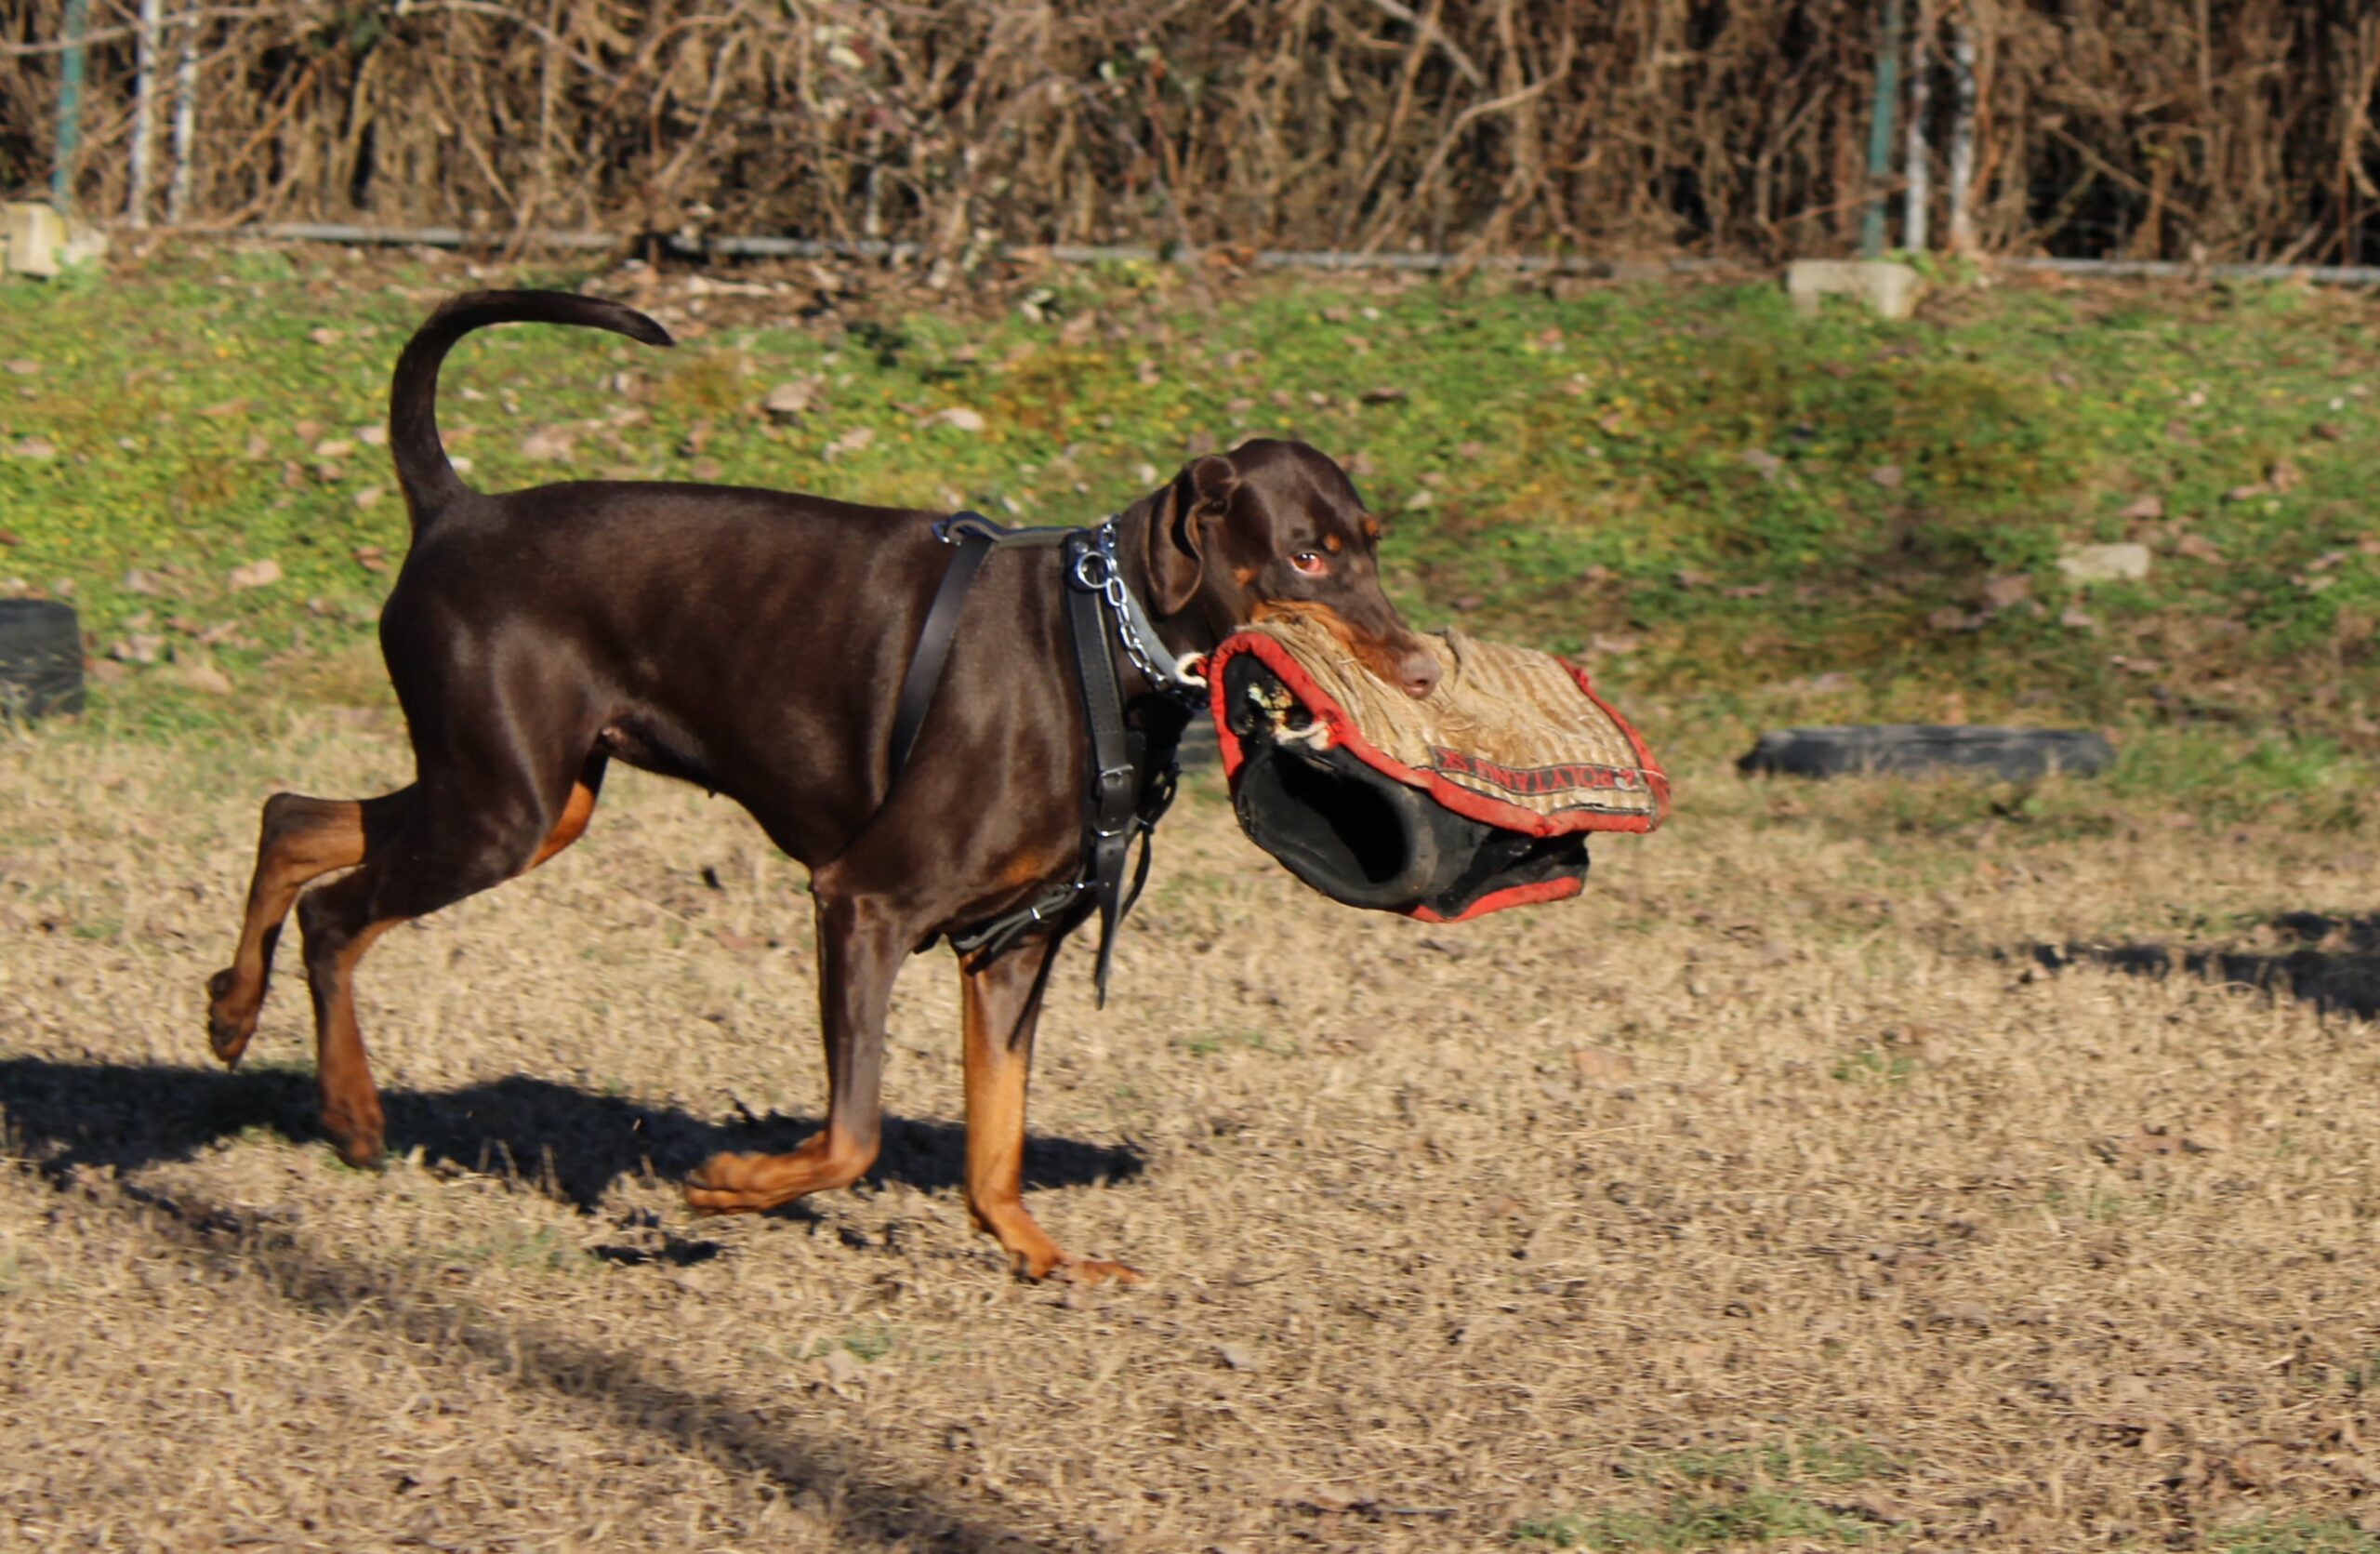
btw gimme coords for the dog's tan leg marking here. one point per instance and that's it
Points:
(351, 1103)
(1002, 1002)
(570, 827)
(748, 1184)
(301, 839)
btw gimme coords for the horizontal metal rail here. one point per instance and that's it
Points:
(1268, 259)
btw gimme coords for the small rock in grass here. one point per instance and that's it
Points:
(2127, 562)
(787, 402)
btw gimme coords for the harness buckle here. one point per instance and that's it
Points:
(957, 528)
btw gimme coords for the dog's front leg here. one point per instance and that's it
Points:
(1000, 997)
(861, 946)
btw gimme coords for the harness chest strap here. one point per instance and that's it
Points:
(1116, 808)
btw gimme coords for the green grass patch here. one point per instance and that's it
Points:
(867, 1344)
(1690, 1523)
(1727, 1496)
(2296, 1535)
(1208, 1043)
(1869, 1064)
(526, 1247)
(1740, 516)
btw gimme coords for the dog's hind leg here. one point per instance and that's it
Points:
(301, 839)
(1000, 1000)
(455, 840)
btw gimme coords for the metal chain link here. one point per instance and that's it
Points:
(1098, 571)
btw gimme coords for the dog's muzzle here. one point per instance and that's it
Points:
(1476, 798)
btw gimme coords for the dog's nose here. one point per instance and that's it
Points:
(1420, 674)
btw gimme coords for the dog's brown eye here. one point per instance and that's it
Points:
(1310, 563)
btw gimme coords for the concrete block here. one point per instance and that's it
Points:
(35, 234)
(35, 240)
(1891, 290)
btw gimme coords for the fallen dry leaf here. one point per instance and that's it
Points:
(547, 445)
(957, 418)
(204, 676)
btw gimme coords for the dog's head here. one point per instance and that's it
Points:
(1274, 529)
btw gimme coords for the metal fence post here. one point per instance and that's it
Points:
(1880, 131)
(70, 106)
(144, 97)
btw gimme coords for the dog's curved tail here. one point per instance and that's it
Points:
(423, 469)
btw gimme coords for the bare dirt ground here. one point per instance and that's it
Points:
(1776, 1192)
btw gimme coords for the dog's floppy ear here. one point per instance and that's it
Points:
(1172, 542)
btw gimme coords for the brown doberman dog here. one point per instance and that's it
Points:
(754, 642)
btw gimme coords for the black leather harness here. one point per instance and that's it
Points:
(1133, 769)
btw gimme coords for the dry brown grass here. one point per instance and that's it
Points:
(1770, 1141)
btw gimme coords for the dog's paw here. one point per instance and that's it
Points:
(1091, 1270)
(360, 1138)
(228, 1026)
(1087, 1271)
(748, 1183)
(718, 1186)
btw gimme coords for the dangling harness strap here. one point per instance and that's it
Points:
(1114, 793)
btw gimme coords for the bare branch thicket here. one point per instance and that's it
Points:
(2227, 129)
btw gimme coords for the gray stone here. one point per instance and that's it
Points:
(1890, 290)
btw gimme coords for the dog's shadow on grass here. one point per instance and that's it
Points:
(2335, 967)
(575, 1143)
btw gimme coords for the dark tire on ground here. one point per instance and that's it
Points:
(41, 658)
(2008, 754)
